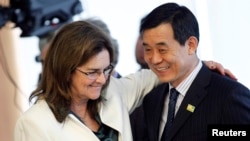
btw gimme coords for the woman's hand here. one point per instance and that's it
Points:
(218, 67)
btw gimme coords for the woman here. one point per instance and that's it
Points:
(69, 104)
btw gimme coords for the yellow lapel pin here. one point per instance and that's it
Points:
(190, 108)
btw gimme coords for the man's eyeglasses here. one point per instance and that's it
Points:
(94, 75)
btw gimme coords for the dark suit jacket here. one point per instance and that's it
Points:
(138, 126)
(217, 100)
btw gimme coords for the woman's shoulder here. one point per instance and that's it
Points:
(37, 112)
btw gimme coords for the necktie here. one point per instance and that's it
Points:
(171, 111)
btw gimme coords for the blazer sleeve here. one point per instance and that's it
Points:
(134, 87)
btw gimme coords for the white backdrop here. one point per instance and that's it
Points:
(224, 33)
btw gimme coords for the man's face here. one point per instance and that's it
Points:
(169, 60)
(44, 52)
(139, 53)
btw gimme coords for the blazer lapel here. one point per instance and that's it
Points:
(193, 97)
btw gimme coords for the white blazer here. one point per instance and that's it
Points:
(122, 96)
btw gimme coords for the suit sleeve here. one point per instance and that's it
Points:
(238, 111)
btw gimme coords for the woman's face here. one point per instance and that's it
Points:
(88, 79)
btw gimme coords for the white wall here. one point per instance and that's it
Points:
(224, 27)
(230, 27)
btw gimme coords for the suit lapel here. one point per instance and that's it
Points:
(194, 96)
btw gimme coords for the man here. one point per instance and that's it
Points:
(44, 43)
(170, 35)
(139, 54)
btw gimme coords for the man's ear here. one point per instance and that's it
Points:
(192, 45)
